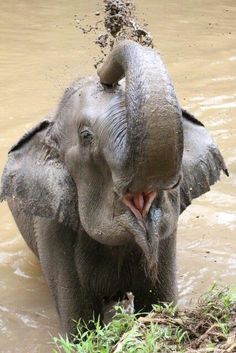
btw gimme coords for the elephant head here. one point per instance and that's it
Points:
(112, 160)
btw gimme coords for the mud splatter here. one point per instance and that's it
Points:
(120, 22)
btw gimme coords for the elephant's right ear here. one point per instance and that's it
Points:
(202, 161)
(38, 181)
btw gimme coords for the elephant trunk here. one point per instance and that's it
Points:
(153, 148)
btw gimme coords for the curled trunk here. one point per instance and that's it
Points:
(154, 140)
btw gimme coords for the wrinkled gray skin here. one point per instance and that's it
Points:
(97, 190)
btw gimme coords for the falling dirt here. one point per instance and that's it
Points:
(118, 22)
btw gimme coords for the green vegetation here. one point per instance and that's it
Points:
(209, 327)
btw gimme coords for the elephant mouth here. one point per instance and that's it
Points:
(139, 203)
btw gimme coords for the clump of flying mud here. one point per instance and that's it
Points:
(119, 23)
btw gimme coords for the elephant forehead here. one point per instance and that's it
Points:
(101, 108)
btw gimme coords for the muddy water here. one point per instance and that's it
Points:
(41, 50)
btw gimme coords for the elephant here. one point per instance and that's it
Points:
(96, 189)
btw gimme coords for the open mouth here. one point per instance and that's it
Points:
(139, 203)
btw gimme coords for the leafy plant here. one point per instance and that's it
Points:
(164, 330)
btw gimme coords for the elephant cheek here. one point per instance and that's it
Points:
(102, 229)
(71, 158)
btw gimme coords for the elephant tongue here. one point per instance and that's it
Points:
(139, 203)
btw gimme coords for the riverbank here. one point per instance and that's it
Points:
(208, 327)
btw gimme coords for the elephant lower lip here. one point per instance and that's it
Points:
(139, 203)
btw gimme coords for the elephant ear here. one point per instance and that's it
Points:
(38, 181)
(202, 161)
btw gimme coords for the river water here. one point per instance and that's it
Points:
(41, 51)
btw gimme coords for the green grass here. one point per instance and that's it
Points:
(164, 330)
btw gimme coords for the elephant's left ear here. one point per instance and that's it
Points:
(38, 181)
(202, 161)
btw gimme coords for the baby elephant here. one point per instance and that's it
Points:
(97, 189)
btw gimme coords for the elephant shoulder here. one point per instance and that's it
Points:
(202, 161)
(38, 181)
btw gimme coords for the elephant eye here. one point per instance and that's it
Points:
(86, 136)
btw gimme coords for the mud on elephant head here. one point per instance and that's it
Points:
(120, 159)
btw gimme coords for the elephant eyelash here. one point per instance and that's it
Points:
(177, 184)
